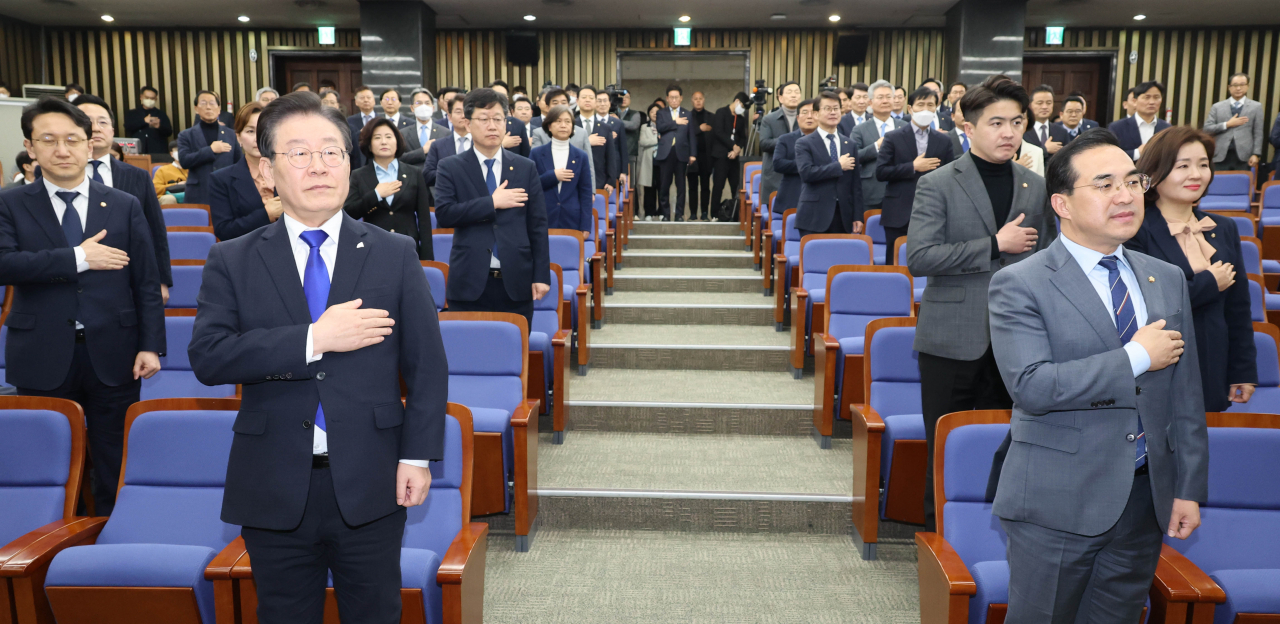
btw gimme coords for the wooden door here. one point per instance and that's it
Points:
(1067, 76)
(342, 74)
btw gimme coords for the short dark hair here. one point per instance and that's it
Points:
(898, 88)
(457, 101)
(1237, 75)
(173, 145)
(557, 92)
(1160, 154)
(23, 158)
(196, 100)
(500, 83)
(1147, 86)
(742, 97)
(299, 85)
(673, 87)
(923, 93)
(447, 90)
(145, 88)
(933, 80)
(992, 90)
(293, 105)
(1044, 88)
(1060, 175)
(89, 98)
(826, 95)
(386, 91)
(1132, 92)
(71, 86)
(588, 87)
(483, 99)
(366, 136)
(1074, 98)
(957, 84)
(808, 102)
(859, 86)
(571, 87)
(364, 88)
(47, 105)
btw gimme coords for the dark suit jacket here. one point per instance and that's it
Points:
(722, 126)
(234, 202)
(1224, 325)
(200, 162)
(136, 182)
(671, 135)
(784, 162)
(463, 203)
(826, 185)
(516, 128)
(568, 207)
(603, 157)
(150, 140)
(405, 214)
(621, 144)
(894, 166)
(356, 124)
(1126, 130)
(252, 330)
(846, 125)
(440, 150)
(121, 310)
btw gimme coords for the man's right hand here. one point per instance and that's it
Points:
(274, 208)
(925, 165)
(220, 147)
(681, 121)
(596, 140)
(427, 148)
(847, 162)
(1236, 120)
(564, 175)
(1164, 347)
(345, 327)
(103, 258)
(504, 197)
(1015, 239)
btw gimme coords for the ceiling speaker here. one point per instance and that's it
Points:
(851, 49)
(522, 47)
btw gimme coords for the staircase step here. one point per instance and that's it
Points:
(690, 347)
(689, 258)
(665, 308)
(691, 280)
(688, 228)
(682, 241)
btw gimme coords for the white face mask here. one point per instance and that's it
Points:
(922, 118)
(573, 99)
(175, 156)
(72, 97)
(737, 109)
(148, 103)
(423, 111)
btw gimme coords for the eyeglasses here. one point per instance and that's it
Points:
(52, 142)
(829, 109)
(1136, 184)
(301, 157)
(488, 121)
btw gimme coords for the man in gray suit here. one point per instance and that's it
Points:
(415, 149)
(971, 218)
(868, 135)
(1236, 124)
(1110, 451)
(772, 127)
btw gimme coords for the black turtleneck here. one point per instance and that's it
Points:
(998, 178)
(209, 130)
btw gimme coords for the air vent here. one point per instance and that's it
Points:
(814, 2)
(61, 3)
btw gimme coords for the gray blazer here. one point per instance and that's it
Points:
(865, 136)
(950, 241)
(1248, 137)
(413, 153)
(578, 139)
(1076, 402)
(772, 127)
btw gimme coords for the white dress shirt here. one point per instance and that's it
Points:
(494, 263)
(461, 143)
(329, 253)
(857, 119)
(81, 204)
(1139, 359)
(826, 145)
(395, 119)
(104, 170)
(1146, 130)
(365, 118)
(883, 126)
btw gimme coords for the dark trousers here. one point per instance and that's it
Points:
(948, 385)
(731, 170)
(837, 225)
(671, 169)
(1057, 577)
(891, 236)
(1231, 162)
(291, 568)
(700, 197)
(495, 299)
(104, 411)
(650, 207)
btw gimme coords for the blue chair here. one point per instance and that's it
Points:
(433, 219)
(488, 372)
(567, 249)
(1266, 397)
(42, 451)
(1269, 204)
(166, 527)
(1229, 191)
(187, 275)
(597, 248)
(1244, 225)
(856, 296)
(4, 336)
(185, 217)
(818, 253)
(190, 243)
(876, 232)
(1257, 300)
(548, 355)
(761, 236)
(771, 226)
(437, 279)
(441, 243)
(176, 380)
(786, 267)
(1251, 250)
(918, 282)
(750, 198)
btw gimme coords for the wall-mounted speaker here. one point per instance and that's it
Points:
(851, 49)
(522, 47)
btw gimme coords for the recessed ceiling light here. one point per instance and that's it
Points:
(1139, 17)
(778, 16)
(530, 18)
(243, 18)
(685, 18)
(834, 18)
(108, 18)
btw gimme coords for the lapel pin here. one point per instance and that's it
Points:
(1151, 279)
(1212, 235)
(403, 176)
(103, 204)
(511, 168)
(360, 246)
(1024, 185)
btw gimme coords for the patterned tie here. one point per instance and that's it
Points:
(316, 286)
(1127, 326)
(835, 153)
(96, 177)
(491, 181)
(1236, 107)
(71, 226)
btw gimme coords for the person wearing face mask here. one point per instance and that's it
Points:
(148, 123)
(418, 137)
(728, 142)
(905, 155)
(73, 91)
(170, 178)
(389, 192)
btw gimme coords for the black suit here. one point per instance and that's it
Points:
(1126, 131)
(463, 202)
(121, 312)
(603, 157)
(895, 166)
(728, 130)
(356, 124)
(698, 175)
(136, 182)
(1224, 325)
(830, 197)
(235, 203)
(676, 145)
(150, 140)
(200, 161)
(300, 521)
(407, 212)
(516, 128)
(784, 162)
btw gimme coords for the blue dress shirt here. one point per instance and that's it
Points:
(390, 174)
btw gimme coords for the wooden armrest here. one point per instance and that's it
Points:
(458, 558)
(220, 568)
(242, 568)
(937, 557)
(33, 551)
(868, 415)
(1173, 561)
(562, 338)
(826, 341)
(522, 415)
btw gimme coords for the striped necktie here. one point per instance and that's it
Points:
(1127, 325)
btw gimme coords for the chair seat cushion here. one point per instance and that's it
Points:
(1248, 591)
(992, 581)
(1271, 219)
(136, 565)
(418, 569)
(896, 427)
(539, 341)
(1273, 301)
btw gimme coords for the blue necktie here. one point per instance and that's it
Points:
(316, 286)
(491, 181)
(1236, 108)
(964, 142)
(96, 177)
(422, 135)
(884, 126)
(1127, 326)
(835, 153)
(71, 219)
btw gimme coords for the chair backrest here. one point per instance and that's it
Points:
(857, 295)
(965, 444)
(488, 356)
(1251, 250)
(1257, 300)
(4, 336)
(434, 222)
(1270, 197)
(1244, 225)
(437, 279)
(749, 169)
(566, 249)
(187, 243)
(873, 227)
(186, 285)
(820, 252)
(175, 466)
(176, 217)
(442, 244)
(175, 379)
(546, 311)
(891, 378)
(756, 176)
(1234, 183)
(41, 461)
(434, 524)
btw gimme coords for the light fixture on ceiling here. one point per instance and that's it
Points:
(530, 18)
(243, 18)
(108, 18)
(1139, 17)
(834, 18)
(778, 16)
(685, 18)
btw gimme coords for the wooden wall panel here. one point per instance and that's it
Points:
(19, 54)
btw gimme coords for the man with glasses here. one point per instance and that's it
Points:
(206, 147)
(1072, 123)
(458, 141)
(391, 109)
(1236, 124)
(1109, 452)
(1134, 132)
(492, 198)
(87, 322)
(831, 185)
(320, 317)
(365, 113)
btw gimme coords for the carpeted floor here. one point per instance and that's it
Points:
(615, 384)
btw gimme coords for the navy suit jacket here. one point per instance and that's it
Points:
(516, 128)
(846, 125)
(894, 165)
(621, 144)
(568, 207)
(235, 203)
(603, 157)
(440, 150)
(1223, 322)
(784, 162)
(463, 203)
(121, 310)
(826, 185)
(1126, 130)
(251, 329)
(672, 135)
(356, 123)
(198, 159)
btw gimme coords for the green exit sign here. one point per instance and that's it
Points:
(683, 36)
(327, 35)
(1053, 35)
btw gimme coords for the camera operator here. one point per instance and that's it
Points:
(631, 120)
(772, 127)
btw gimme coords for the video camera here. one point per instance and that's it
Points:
(760, 93)
(615, 96)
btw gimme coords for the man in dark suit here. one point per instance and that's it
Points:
(1072, 122)
(365, 102)
(604, 150)
(148, 123)
(418, 137)
(1109, 454)
(205, 147)
(517, 139)
(869, 136)
(320, 317)
(859, 97)
(87, 321)
(831, 193)
(728, 142)
(119, 175)
(784, 158)
(458, 141)
(492, 198)
(390, 99)
(905, 155)
(1134, 132)
(677, 149)
(1040, 131)
(442, 111)
(698, 174)
(621, 140)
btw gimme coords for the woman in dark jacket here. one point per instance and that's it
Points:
(389, 193)
(1207, 249)
(240, 199)
(562, 169)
